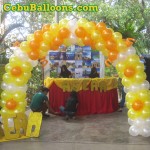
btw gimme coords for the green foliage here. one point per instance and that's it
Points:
(110, 71)
(35, 82)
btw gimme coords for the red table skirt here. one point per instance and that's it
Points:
(90, 102)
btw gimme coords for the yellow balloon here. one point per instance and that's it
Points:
(44, 46)
(144, 95)
(7, 78)
(54, 29)
(15, 61)
(140, 77)
(42, 54)
(67, 42)
(26, 67)
(127, 82)
(81, 22)
(63, 23)
(130, 97)
(8, 67)
(24, 46)
(89, 27)
(20, 81)
(27, 75)
(146, 113)
(133, 114)
(80, 42)
(5, 95)
(133, 59)
(95, 35)
(30, 37)
(121, 46)
(140, 67)
(120, 67)
(48, 37)
(19, 96)
(117, 36)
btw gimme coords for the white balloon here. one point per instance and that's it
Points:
(10, 122)
(131, 50)
(34, 63)
(115, 63)
(130, 121)
(145, 85)
(147, 122)
(1, 119)
(146, 132)
(72, 39)
(133, 130)
(3, 85)
(122, 56)
(72, 24)
(126, 90)
(23, 56)
(139, 123)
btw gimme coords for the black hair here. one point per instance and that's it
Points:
(73, 94)
(93, 70)
(45, 89)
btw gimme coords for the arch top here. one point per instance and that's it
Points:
(119, 52)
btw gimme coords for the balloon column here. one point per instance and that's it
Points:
(118, 51)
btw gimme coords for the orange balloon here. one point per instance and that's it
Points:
(54, 47)
(16, 71)
(80, 32)
(87, 40)
(129, 41)
(64, 33)
(129, 72)
(45, 27)
(11, 104)
(111, 45)
(137, 105)
(106, 34)
(100, 26)
(107, 62)
(34, 45)
(112, 55)
(38, 35)
(93, 46)
(57, 41)
(34, 55)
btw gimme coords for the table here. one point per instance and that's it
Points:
(96, 96)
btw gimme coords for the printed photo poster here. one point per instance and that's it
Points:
(86, 53)
(54, 66)
(86, 64)
(95, 55)
(86, 72)
(78, 63)
(78, 73)
(79, 60)
(54, 55)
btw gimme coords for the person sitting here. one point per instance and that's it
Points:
(40, 102)
(93, 73)
(71, 106)
(65, 73)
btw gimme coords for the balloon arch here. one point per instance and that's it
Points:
(119, 52)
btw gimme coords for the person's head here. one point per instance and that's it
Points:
(93, 70)
(64, 68)
(45, 90)
(73, 94)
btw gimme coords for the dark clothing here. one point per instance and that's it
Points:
(71, 104)
(94, 75)
(147, 68)
(38, 102)
(66, 74)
